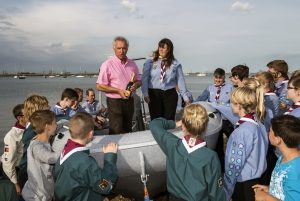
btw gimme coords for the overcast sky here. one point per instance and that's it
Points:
(73, 35)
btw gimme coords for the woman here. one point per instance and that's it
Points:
(160, 76)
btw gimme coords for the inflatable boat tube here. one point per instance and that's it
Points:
(131, 147)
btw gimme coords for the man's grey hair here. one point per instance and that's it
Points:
(120, 38)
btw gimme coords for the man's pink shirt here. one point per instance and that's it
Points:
(115, 74)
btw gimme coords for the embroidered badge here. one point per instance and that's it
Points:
(6, 148)
(220, 182)
(103, 184)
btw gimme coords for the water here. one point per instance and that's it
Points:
(15, 91)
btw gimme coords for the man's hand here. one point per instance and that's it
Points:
(110, 148)
(123, 93)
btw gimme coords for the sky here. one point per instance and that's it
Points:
(76, 35)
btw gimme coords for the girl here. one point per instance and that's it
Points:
(294, 95)
(271, 99)
(161, 75)
(245, 158)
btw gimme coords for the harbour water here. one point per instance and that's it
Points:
(15, 91)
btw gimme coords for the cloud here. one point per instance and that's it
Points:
(131, 6)
(241, 6)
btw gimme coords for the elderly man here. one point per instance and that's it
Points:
(115, 74)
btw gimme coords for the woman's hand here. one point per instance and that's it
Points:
(147, 99)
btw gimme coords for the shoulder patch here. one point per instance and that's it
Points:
(104, 184)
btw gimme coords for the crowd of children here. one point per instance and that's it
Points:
(260, 118)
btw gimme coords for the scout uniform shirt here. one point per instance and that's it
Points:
(193, 173)
(13, 151)
(245, 156)
(79, 178)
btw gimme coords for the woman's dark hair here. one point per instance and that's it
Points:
(170, 56)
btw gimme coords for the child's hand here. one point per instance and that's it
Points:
(178, 124)
(18, 189)
(260, 195)
(110, 148)
(261, 188)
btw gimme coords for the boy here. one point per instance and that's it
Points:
(76, 107)
(91, 105)
(13, 146)
(238, 74)
(31, 104)
(40, 157)
(77, 175)
(219, 91)
(284, 185)
(193, 171)
(279, 70)
(68, 98)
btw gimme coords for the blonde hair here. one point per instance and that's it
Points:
(80, 125)
(33, 103)
(250, 98)
(195, 119)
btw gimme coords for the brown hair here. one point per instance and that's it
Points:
(250, 99)
(40, 118)
(280, 66)
(34, 103)
(195, 119)
(17, 111)
(287, 127)
(266, 79)
(242, 71)
(295, 81)
(296, 73)
(170, 55)
(88, 91)
(70, 94)
(80, 125)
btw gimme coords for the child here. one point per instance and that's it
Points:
(31, 104)
(284, 185)
(238, 74)
(219, 91)
(193, 171)
(271, 99)
(279, 70)
(77, 174)
(40, 183)
(91, 105)
(68, 98)
(13, 147)
(293, 94)
(76, 107)
(245, 158)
